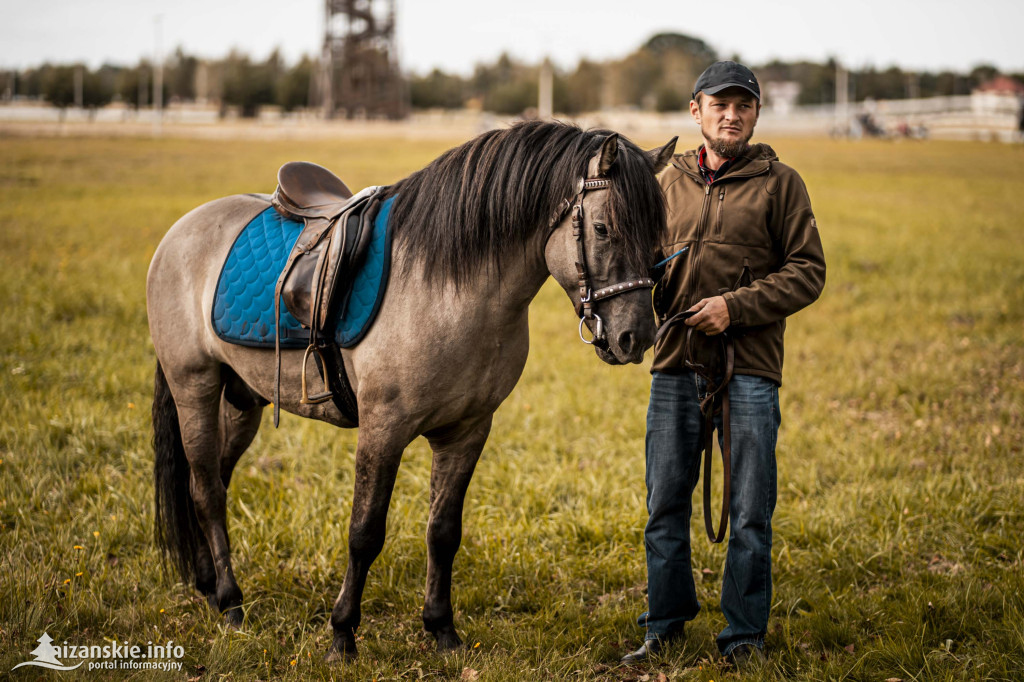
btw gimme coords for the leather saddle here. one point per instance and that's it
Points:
(318, 273)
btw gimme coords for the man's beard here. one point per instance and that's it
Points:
(726, 148)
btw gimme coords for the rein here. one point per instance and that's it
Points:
(588, 297)
(715, 401)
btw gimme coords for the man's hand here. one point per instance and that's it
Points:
(712, 315)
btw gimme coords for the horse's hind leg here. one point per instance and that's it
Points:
(378, 455)
(456, 452)
(239, 420)
(198, 411)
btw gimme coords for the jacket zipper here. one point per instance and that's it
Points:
(698, 247)
(699, 238)
(718, 216)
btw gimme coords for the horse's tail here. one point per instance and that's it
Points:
(175, 523)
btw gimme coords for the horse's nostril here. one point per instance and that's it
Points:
(626, 342)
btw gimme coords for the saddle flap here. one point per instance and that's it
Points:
(343, 260)
(317, 282)
(297, 291)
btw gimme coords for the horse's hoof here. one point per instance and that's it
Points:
(447, 640)
(233, 617)
(343, 649)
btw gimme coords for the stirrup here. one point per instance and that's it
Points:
(307, 399)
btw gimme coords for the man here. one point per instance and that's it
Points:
(748, 256)
(1020, 118)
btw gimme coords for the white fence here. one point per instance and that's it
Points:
(970, 117)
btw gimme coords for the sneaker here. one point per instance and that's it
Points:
(746, 656)
(650, 649)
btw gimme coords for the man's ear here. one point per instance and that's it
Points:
(609, 153)
(695, 111)
(662, 155)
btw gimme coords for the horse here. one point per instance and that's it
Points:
(477, 232)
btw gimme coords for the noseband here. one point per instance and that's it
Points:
(588, 297)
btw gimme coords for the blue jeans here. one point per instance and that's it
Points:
(675, 442)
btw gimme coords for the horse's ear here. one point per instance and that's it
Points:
(662, 155)
(609, 152)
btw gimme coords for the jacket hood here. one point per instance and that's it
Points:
(760, 151)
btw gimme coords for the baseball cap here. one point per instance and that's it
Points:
(726, 74)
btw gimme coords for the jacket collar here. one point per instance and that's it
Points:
(755, 160)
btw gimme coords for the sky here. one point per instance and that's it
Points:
(453, 35)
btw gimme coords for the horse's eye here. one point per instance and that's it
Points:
(601, 229)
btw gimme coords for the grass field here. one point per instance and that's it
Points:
(898, 536)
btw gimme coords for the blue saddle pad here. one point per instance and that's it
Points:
(243, 308)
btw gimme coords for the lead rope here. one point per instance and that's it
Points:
(716, 395)
(719, 395)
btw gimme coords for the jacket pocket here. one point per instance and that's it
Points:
(719, 211)
(746, 276)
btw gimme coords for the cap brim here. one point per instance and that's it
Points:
(725, 86)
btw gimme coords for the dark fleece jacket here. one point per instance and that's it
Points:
(752, 237)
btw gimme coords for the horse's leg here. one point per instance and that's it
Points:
(240, 416)
(378, 455)
(456, 452)
(237, 430)
(198, 412)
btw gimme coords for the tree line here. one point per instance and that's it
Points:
(655, 77)
(235, 81)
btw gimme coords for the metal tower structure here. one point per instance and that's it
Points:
(359, 73)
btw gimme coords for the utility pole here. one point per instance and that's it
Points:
(545, 96)
(143, 87)
(327, 64)
(79, 87)
(913, 86)
(842, 99)
(158, 79)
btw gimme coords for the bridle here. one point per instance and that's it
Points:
(588, 297)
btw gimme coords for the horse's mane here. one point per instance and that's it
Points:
(477, 203)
